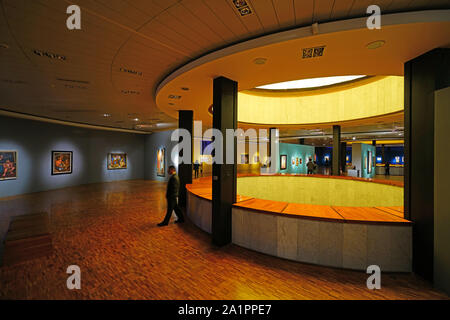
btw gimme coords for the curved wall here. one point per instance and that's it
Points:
(339, 243)
(320, 191)
(34, 141)
(362, 99)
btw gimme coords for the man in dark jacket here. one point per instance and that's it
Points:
(173, 186)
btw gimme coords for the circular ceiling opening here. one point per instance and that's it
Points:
(309, 83)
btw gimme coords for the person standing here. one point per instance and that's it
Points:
(386, 168)
(196, 168)
(173, 187)
(310, 166)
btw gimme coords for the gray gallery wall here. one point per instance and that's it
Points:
(34, 141)
(152, 143)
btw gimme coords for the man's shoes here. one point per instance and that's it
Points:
(179, 221)
(162, 224)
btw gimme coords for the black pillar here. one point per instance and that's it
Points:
(374, 143)
(224, 175)
(336, 165)
(344, 157)
(301, 141)
(383, 156)
(185, 121)
(423, 76)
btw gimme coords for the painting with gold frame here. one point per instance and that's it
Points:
(117, 161)
(160, 162)
(283, 162)
(62, 162)
(8, 165)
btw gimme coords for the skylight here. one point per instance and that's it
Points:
(309, 83)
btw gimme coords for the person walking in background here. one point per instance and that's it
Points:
(327, 165)
(387, 168)
(196, 168)
(173, 187)
(310, 166)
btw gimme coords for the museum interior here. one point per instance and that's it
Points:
(336, 162)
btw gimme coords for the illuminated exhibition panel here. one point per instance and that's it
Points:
(381, 95)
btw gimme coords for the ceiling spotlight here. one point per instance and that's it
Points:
(4, 46)
(260, 61)
(354, 138)
(185, 88)
(106, 115)
(375, 44)
(136, 119)
(172, 96)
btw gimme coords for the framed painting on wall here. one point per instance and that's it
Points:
(161, 162)
(283, 162)
(8, 165)
(62, 162)
(244, 158)
(117, 161)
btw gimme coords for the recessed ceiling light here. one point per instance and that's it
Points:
(172, 96)
(309, 83)
(354, 138)
(185, 88)
(375, 44)
(260, 61)
(136, 119)
(106, 115)
(4, 46)
(171, 104)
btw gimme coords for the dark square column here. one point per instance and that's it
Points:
(185, 121)
(336, 164)
(344, 157)
(423, 76)
(224, 175)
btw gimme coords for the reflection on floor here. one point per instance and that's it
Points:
(109, 231)
(395, 178)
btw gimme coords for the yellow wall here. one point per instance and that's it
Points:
(363, 99)
(320, 191)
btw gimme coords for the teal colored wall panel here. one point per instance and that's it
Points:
(365, 149)
(294, 151)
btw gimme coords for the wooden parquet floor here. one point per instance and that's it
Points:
(109, 231)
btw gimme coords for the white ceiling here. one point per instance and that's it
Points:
(152, 38)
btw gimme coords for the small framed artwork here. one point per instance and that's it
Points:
(300, 160)
(283, 162)
(161, 162)
(244, 158)
(8, 165)
(62, 162)
(117, 161)
(293, 161)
